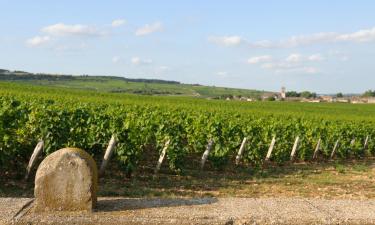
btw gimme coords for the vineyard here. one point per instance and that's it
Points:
(87, 119)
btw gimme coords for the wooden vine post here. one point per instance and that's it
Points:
(271, 148)
(206, 152)
(162, 156)
(38, 149)
(317, 148)
(352, 142)
(365, 146)
(241, 150)
(335, 149)
(294, 149)
(108, 153)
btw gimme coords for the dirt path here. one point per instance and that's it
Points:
(202, 211)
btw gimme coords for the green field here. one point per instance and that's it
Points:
(124, 85)
(142, 124)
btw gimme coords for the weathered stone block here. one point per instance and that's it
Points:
(66, 180)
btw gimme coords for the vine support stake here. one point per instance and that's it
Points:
(108, 153)
(271, 148)
(206, 153)
(352, 142)
(317, 148)
(162, 155)
(365, 146)
(294, 149)
(241, 150)
(38, 149)
(335, 148)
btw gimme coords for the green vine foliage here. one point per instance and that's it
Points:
(88, 120)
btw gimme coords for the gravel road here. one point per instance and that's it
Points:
(200, 211)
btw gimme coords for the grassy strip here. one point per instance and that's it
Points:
(329, 180)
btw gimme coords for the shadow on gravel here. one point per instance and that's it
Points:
(121, 204)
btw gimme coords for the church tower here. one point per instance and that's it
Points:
(283, 93)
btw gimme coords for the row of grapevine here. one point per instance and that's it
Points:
(71, 121)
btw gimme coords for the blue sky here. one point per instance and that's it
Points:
(322, 46)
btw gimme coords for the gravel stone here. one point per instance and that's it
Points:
(203, 211)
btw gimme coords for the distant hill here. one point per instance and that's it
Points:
(125, 85)
(21, 75)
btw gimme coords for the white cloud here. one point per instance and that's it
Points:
(149, 28)
(302, 40)
(296, 58)
(359, 36)
(61, 29)
(285, 67)
(226, 40)
(316, 57)
(138, 61)
(293, 58)
(70, 47)
(115, 59)
(338, 54)
(222, 74)
(259, 59)
(118, 22)
(293, 63)
(161, 69)
(261, 44)
(365, 35)
(310, 70)
(164, 68)
(279, 65)
(344, 58)
(297, 69)
(38, 41)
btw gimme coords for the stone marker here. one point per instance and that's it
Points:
(66, 180)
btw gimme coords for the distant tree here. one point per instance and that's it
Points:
(225, 96)
(271, 98)
(292, 94)
(369, 93)
(339, 95)
(307, 94)
(304, 94)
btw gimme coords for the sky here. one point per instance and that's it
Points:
(321, 46)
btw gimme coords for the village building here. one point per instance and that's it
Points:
(343, 100)
(371, 100)
(266, 96)
(357, 100)
(314, 100)
(326, 98)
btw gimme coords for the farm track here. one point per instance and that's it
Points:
(201, 211)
